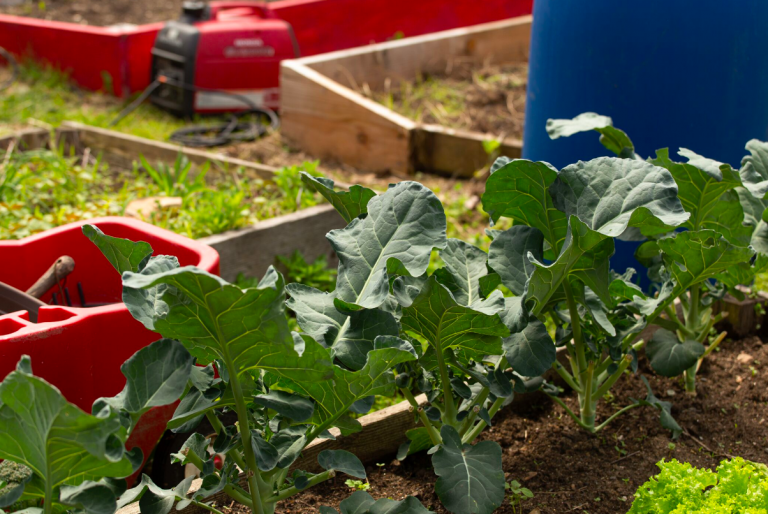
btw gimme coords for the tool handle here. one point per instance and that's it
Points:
(258, 8)
(63, 266)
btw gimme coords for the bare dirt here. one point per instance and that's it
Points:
(467, 96)
(569, 470)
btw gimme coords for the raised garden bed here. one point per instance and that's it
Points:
(248, 250)
(325, 113)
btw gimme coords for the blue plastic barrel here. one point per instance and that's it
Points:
(671, 73)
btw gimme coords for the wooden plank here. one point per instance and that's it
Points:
(124, 149)
(503, 41)
(252, 250)
(333, 122)
(26, 139)
(743, 315)
(455, 152)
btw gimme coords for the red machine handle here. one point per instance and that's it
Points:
(257, 8)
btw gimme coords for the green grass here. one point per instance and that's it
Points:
(42, 189)
(47, 95)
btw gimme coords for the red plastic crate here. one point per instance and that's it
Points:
(80, 350)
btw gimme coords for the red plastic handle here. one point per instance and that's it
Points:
(258, 8)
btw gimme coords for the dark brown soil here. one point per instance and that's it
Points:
(571, 471)
(96, 12)
(467, 96)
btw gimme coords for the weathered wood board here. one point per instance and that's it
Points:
(323, 113)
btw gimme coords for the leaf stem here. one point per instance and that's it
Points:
(471, 415)
(433, 434)
(714, 345)
(233, 454)
(615, 415)
(472, 434)
(206, 507)
(450, 406)
(568, 411)
(290, 491)
(624, 364)
(238, 496)
(566, 376)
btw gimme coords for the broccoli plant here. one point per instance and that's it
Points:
(283, 387)
(555, 259)
(736, 486)
(723, 245)
(70, 460)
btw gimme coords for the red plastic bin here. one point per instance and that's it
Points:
(80, 350)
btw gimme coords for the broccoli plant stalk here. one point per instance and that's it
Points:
(724, 245)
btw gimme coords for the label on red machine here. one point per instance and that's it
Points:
(213, 101)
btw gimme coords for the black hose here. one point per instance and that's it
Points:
(208, 136)
(14, 64)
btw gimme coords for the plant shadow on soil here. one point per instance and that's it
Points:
(570, 470)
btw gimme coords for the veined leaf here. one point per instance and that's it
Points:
(156, 375)
(341, 460)
(350, 204)
(508, 256)
(286, 404)
(612, 138)
(465, 265)
(693, 257)
(60, 443)
(405, 224)
(529, 349)
(754, 168)
(360, 502)
(334, 398)
(123, 254)
(670, 357)
(520, 190)
(471, 477)
(154, 499)
(609, 194)
(246, 328)
(705, 192)
(437, 317)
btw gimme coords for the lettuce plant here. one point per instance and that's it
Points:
(283, 387)
(736, 486)
(73, 461)
(723, 245)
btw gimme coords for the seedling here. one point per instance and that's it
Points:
(357, 485)
(724, 245)
(517, 494)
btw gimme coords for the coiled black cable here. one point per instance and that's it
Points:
(208, 136)
(14, 65)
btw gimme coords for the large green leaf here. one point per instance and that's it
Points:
(520, 190)
(335, 397)
(286, 404)
(123, 254)
(669, 357)
(360, 502)
(609, 195)
(437, 317)
(705, 190)
(529, 349)
(603, 198)
(754, 168)
(127, 256)
(247, 329)
(612, 138)
(155, 375)
(341, 460)
(471, 477)
(362, 329)
(154, 499)
(350, 204)
(60, 443)
(404, 224)
(465, 265)
(508, 256)
(694, 257)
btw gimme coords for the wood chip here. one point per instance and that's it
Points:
(744, 358)
(143, 208)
